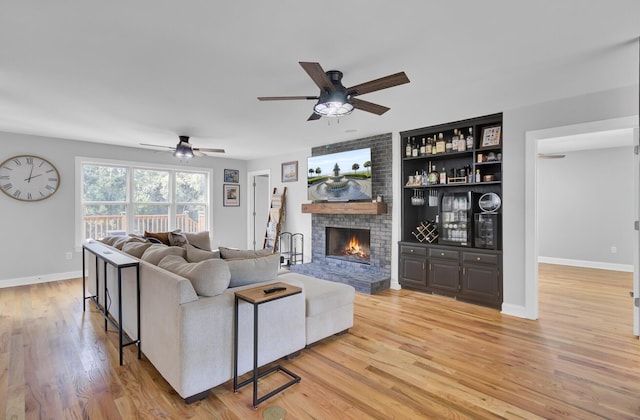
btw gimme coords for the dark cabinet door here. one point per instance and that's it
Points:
(413, 271)
(481, 283)
(443, 276)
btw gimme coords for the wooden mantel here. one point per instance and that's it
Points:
(345, 208)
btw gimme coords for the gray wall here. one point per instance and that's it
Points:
(585, 206)
(38, 235)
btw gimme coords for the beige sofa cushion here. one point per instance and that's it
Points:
(243, 253)
(157, 252)
(199, 239)
(253, 270)
(209, 277)
(135, 249)
(196, 255)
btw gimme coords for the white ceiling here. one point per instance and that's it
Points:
(147, 71)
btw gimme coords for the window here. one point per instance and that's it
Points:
(120, 198)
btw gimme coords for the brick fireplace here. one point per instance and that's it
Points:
(373, 275)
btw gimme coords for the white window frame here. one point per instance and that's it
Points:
(80, 161)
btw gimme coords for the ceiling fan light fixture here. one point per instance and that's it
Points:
(183, 150)
(334, 104)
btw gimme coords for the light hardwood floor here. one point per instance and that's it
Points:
(409, 356)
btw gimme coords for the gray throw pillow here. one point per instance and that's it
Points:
(135, 249)
(196, 255)
(199, 239)
(156, 252)
(243, 253)
(208, 278)
(253, 270)
(177, 239)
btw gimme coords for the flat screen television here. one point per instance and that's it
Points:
(342, 176)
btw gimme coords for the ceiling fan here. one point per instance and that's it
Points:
(185, 150)
(335, 100)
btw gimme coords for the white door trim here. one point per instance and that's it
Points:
(531, 201)
(249, 201)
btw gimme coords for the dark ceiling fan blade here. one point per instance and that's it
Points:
(313, 117)
(157, 145)
(285, 98)
(368, 106)
(204, 149)
(320, 78)
(379, 84)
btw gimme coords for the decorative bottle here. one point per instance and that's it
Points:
(443, 176)
(470, 139)
(407, 149)
(440, 144)
(414, 147)
(423, 147)
(434, 176)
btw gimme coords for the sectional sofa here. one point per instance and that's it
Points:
(187, 307)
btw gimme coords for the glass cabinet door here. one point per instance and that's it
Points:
(455, 221)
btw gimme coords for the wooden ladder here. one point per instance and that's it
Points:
(274, 222)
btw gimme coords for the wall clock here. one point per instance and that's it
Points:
(28, 178)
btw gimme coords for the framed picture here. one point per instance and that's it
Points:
(231, 175)
(491, 136)
(290, 171)
(231, 196)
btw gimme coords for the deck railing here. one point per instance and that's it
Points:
(98, 227)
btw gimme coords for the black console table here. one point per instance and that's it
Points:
(256, 296)
(120, 262)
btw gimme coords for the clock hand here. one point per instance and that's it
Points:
(30, 173)
(31, 177)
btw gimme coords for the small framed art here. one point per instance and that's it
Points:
(491, 136)
(290, 171)
(232, 175)
(231, 196)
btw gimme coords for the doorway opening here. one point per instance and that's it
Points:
(545, 149)
(258, 207)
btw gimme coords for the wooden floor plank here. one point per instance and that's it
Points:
(409, 355)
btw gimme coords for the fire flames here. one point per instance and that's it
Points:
(354, 249)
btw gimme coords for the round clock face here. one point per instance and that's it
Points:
(28, 178)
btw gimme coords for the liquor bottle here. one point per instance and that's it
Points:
(407, 149)
(470, 139)
(443, 176)
(423, 147)
(454, 140)
(431, 146)
(434, 176)
(440, 144)
(414, 147)
(477, 175)
(462, 143)
(448, 146)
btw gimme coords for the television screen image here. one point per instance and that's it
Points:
(343, 176)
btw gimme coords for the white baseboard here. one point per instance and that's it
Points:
(587, 264)
(516, 310)
(39, 279)
(395, 285)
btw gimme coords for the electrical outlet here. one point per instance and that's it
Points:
(69, 255)
(614, 250)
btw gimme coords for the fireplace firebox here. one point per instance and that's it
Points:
(350, 244)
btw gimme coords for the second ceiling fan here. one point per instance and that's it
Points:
(334, 99)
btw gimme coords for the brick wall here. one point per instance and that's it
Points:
(379, 225)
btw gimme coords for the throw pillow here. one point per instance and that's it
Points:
(156, 252)
(253, 270)
(136, 249)
(208, 278)
(196, 255)
(161, 236)
(243, 253)
(199, 239)
(177, 239)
